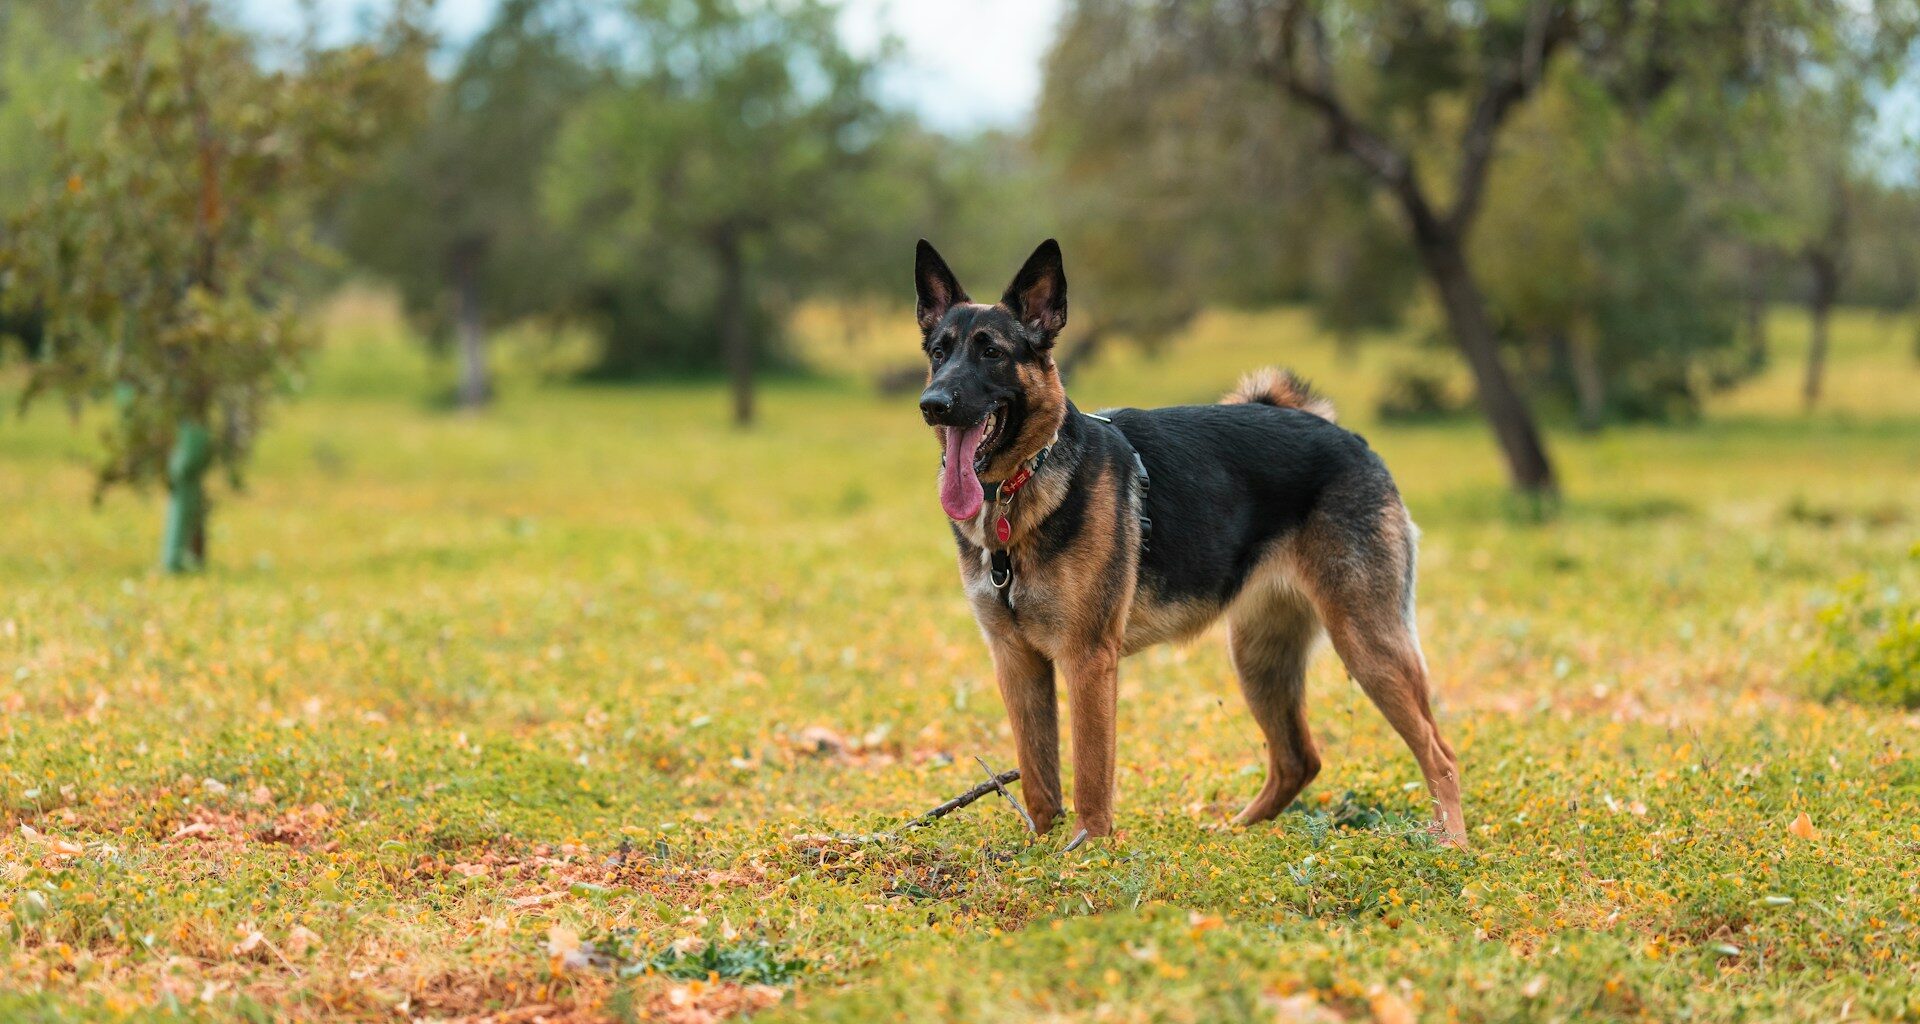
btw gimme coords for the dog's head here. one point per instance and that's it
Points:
(993, 393)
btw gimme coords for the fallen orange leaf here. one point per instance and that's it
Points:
(1391, 1009)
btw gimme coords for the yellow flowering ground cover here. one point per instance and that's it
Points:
(564, 712)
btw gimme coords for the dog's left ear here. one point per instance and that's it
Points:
(1038, 294)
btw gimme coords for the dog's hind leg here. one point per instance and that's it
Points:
(1272, 631)
(1362, 585)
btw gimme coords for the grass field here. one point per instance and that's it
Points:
(538, 715)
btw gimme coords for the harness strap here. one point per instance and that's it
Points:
(1000, 563)
(1140, 478)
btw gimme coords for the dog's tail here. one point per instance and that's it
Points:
(1277, 387)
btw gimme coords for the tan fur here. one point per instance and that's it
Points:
(1093, 692)
(1070, 610)
(1362, 600)
(1275, 386)
(1272, 630)
(1154, 621)
(1025, 677)
(1046, 410)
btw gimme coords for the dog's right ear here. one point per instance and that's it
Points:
(936, 289)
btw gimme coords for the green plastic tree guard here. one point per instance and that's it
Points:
(184, 547)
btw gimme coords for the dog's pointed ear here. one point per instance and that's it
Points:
(1038, 295)
(936, 289)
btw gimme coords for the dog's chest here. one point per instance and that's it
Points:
(975, 531)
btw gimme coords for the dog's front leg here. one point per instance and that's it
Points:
(1026, 688)
(1092, 691)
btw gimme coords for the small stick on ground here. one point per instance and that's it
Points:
(994, 783)
(1077, 840)
(997, 784)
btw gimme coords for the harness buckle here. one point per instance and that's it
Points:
(1000, 570)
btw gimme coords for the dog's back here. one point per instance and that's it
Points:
(1231, 481)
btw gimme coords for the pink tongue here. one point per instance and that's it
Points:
(960, 492)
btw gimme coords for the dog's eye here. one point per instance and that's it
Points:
(937, 353)
(991, 353)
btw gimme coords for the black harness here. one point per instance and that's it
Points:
(1000, 563)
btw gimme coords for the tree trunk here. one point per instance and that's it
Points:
(1440, 237)
(1756, 306)
(470, 329)
(1443, 257)
(1826, 287)
(184, 544)
(1574, 356)
(731, 317)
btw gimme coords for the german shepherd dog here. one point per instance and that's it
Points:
(1085, 538)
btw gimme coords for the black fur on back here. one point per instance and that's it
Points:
(1227, 482)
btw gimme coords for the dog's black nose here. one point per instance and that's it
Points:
(935, 404)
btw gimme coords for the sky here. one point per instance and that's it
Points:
(967, 65)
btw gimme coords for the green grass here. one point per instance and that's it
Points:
(521, 715)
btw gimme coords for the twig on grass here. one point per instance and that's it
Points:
(998, 785)
(994, 783)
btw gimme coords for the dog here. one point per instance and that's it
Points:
(1085, 538)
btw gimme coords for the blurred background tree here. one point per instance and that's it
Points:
(452, 218)
(1624, 317)
(161, 257)
(1590, 204)
(1177, 182)
(1803, 169)
(42, 43)
(735, 142)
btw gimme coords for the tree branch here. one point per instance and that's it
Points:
(1315, 91)
(1548, 27)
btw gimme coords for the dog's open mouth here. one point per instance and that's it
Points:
(995, 421)
(968, 451)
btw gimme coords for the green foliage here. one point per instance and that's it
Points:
(456, 207)
(41, 46)
(1187, 177)
(41, 43)
(1869, 645)
(1172, 178)
(747, 961)
(1415, 393)
(1592, 238)
(721, 170)
(160, 262)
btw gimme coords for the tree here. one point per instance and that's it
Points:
(41, 48)
(1594, 249)
(1791, 148)
(162, 259)
(1170, 175)
(1417, 92)
(453, 218)
(736, 141)
(1811, 219)
(1490, 57)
